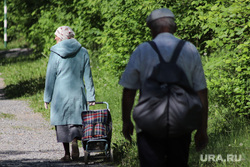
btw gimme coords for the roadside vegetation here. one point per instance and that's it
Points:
(110, 31)
(228, 135)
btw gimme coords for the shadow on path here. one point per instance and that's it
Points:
(28, 87)
(39, 163)
(52, 163)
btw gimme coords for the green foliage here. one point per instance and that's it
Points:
(112, 29)
(229, 23)
(19, 17)
(227, 133)
(228, 81)
(1, 18)
(220, 29)
(190, 25)
(124, 30)
(20, 43)
(52, 16)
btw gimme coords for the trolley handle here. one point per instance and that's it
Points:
(103, 102)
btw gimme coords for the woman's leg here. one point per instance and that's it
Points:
(76, 134)
(66, 149)
(67, 152)
(75, 149)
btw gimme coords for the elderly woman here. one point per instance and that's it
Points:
(65, 89)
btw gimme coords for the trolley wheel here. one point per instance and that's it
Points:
(111, 155)
(86, 156)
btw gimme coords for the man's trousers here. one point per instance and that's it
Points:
(171, 152)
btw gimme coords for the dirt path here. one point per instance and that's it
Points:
(27, 139)
(2, 86)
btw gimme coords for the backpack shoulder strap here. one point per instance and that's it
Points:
(177, 51)
(153, 45)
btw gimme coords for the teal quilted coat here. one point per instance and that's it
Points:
(64, 86)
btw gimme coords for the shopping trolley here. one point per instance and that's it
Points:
(97, 133)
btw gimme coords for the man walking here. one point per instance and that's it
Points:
(170, 151)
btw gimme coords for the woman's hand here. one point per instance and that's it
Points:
(46, 105)
(91, 103)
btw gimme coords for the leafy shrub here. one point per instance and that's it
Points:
(228, 75)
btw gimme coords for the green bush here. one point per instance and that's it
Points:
(228, 69)
(228, 81)
(112, 29)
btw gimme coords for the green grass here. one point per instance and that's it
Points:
(225, 143)
(7, 116)
(24, 78)
(20, 43)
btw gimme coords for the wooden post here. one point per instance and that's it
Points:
(5, 23)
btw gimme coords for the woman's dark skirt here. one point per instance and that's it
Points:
(66, 133)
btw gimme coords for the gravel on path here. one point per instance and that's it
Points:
(27, 139)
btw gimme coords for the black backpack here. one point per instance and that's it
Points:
(168, 105)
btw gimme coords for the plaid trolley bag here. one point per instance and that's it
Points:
(97, 133)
